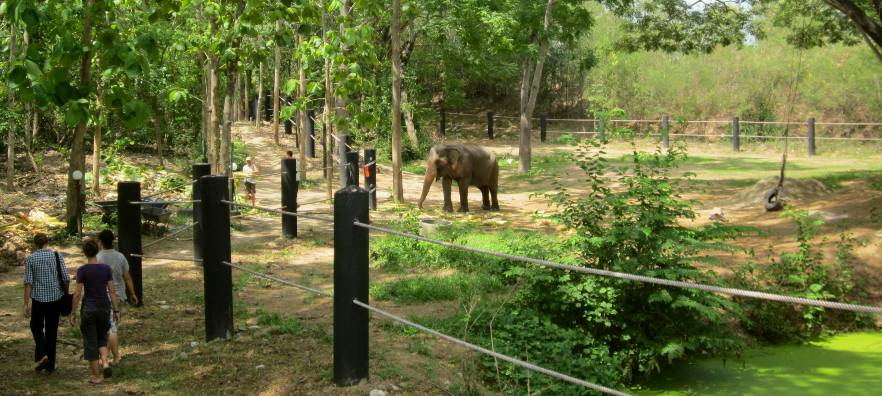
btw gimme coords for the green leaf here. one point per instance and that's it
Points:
(135, 114)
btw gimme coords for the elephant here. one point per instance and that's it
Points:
(469, 165)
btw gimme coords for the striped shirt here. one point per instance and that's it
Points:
(41, 274)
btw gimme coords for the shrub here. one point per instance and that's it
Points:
(802, 273)
(435, 288)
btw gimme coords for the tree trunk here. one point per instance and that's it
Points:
(329, 106)
(277, 65)
(529, 93)
(29, 138)
(227, 130)
(407, 109)
(157, 130)
(237, 99)
(304, 133)
(77, 159)
(246, 92)
(258, 108)
(10, 133)
(96, 154)
(397, 182)
(212, 130)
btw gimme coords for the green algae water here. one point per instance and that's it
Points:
(847, 364)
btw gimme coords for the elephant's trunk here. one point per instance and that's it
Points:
(427, 182)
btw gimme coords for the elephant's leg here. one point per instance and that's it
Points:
(463, 194)
(495, 203)
(448, 203)
(485, 195)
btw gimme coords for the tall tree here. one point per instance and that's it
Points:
(277, 65)
(530, 80)
(10, 106)
(397, 177)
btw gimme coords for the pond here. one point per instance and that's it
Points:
(847, 364)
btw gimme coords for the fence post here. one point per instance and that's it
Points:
(290, 186)
(343, 149)
(736, 134)
(490, 125)
(310, 133)
(199, 170)
(350, 282)
(289, 126)
(666, 139)
(811, 136)
(217, 279)
(370, 176)
(442, 131)
(543, 127)
(129, 223)
(350, 169)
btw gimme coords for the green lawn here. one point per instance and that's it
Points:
(849, 364)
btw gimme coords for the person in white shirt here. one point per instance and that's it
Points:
(250, 169)
(122, 280)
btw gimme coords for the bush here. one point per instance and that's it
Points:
(803, 273)
(636, 230)
(435, 288)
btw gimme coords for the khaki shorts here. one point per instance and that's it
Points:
(114, 326)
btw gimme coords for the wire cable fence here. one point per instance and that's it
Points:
(166, 258)
(497, 355)
(639, 278)
(279, 280)
(174, 233)
(278, 211)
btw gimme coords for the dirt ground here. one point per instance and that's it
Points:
(163, 342)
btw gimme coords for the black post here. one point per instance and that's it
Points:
(129, 231)
(490, 125)
(324, 151)
(351, 282)
(217, 277)
(342, 150)
(811, 136)
(370, 176)
(310, 134)
(736, 134)
(289, 127)
(543, 128)
(351, 169)
(290, 185)
(443, 128)
(199, 170)
(665, 127)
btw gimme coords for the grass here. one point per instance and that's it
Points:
(845, 364)
(435, 288)
(278, 323)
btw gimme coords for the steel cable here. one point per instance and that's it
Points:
(165, 258)
(497, 355)
(640, 278)
(280, 280)
(174, 233)
(278, 211)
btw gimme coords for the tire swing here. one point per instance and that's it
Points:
(773, 200)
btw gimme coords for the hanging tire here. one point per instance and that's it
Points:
(772, 200)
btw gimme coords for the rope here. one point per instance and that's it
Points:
(280, 280)
(640, 278)
(497, 355)
(176, 232)
(165, 258)
(279, 211)
(315, 202)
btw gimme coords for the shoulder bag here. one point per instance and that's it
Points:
(65, 304)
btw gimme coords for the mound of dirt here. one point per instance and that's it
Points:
(795, 189)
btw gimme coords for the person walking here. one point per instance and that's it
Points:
(250, 169)
(45, 283)
(122, 281)
(96, 290)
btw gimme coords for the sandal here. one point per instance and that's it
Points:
(108, 372)
(43, 364)
(93, 381)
